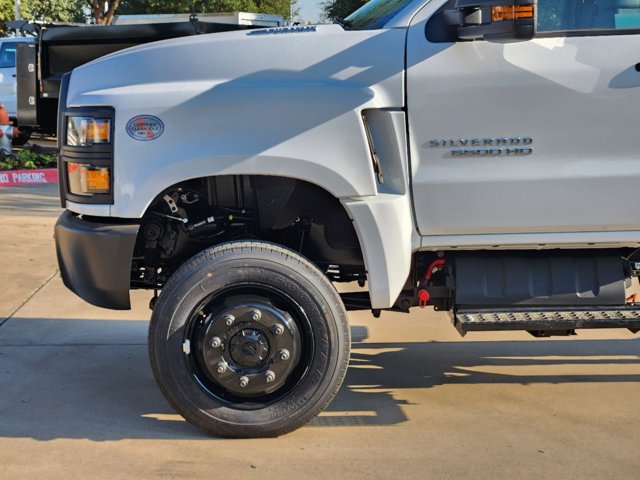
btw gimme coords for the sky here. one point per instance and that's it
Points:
(310, 10)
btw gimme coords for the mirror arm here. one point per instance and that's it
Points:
(472, 20)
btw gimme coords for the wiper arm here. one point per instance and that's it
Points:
(346, 24)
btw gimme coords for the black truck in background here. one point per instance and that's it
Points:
(60, 48)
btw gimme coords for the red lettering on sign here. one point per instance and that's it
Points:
(16, 178)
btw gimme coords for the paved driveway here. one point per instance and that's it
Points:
(77, 397)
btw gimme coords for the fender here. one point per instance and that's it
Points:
(385, 229)
(296, 114)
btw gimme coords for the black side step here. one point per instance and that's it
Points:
(545, 321)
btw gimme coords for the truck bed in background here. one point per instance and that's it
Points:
(62, 47)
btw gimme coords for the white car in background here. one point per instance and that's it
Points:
(8, 83)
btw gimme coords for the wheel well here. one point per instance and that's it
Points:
(196, 214)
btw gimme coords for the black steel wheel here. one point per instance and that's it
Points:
(249, 339)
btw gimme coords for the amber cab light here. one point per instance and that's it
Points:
(511, 12)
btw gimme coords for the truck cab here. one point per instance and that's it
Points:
(474, 156)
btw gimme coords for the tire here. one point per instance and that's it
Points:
(249, 339)
(23, 138)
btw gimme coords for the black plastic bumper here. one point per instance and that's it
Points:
(95, 259)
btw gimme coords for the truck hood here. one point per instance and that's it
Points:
(319, 57)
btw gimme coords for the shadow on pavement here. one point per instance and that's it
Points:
(103, 389)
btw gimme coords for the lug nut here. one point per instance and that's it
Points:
(278, 329)
(255, 315)
(244, 381)
(221, 367)
(216, 342)
(229, 319)
(269, 376)
(284, 354)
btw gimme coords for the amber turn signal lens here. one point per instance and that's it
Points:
(511, 12)
(99, 130)
(96, 180)
(88, 179)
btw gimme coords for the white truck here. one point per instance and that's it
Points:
(9, 84)
(477, 156)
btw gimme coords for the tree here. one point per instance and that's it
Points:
(103, 10)
(47, 10)
(7, 13)
(339, 9)
(53, 10)
(284, 8)
(276, 7)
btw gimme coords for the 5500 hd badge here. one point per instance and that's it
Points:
(485, 147)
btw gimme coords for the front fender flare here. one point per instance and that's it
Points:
(385, 230)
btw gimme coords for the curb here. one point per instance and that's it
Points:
(16, 178)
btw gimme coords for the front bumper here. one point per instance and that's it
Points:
(95, 259)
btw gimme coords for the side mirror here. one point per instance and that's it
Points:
(497, 20)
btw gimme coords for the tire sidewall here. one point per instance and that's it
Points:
(215, 271)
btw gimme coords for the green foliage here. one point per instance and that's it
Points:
(7, 12)
(49, 10)
(100, 10)
(54, 10)
(339, 9)
(284, 8)
(276, 7)
(8, 163)
(27, 160)
(49, 161)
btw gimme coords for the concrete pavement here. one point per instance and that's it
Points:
(77, 397)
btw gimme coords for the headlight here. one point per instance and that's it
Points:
(87, 131)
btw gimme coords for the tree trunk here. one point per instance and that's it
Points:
(101, 16)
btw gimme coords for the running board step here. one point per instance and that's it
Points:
(543, 322)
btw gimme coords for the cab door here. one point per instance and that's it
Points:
(537, 136)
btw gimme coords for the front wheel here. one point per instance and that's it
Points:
(249, 339)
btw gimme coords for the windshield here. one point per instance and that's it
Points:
(375, 14)
(8, 55)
